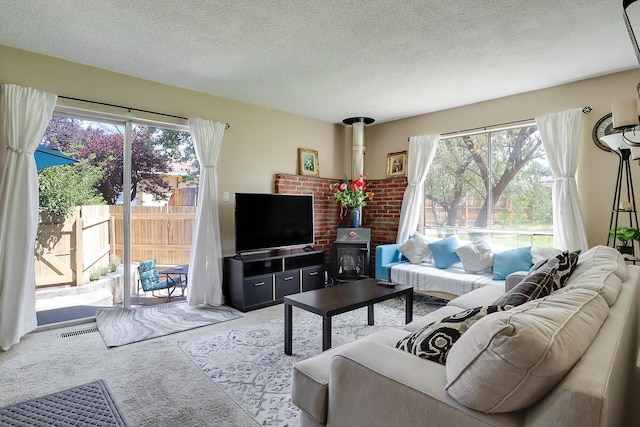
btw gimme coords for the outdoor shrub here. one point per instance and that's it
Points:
(114, 262)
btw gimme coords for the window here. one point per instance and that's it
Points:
(497, 183)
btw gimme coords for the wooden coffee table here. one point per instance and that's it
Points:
(327, 302)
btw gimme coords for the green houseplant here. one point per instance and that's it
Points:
(626, 236)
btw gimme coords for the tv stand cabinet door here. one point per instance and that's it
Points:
(312, 278)
(257, 290)
(287, 283)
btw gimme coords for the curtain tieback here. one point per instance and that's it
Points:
(17, 150)
(565, 177)
(210, 167)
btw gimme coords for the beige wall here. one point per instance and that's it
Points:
(597, 169)
(260, 143)
(263, 142)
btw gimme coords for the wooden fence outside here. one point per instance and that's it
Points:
(68, 249)
(164, 233)
(187, 196)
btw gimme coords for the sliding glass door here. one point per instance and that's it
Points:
(113, 193)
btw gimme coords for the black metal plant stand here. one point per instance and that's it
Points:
(624, 168)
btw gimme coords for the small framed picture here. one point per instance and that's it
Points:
(308, 162)
(397, 164)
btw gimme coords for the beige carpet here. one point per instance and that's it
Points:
(153, 382)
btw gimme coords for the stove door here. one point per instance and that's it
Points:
(351, 262)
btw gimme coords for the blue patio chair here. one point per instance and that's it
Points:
(150, 279)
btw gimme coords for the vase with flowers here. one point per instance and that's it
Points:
(352, 195)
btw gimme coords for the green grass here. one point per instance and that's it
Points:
(505, 239)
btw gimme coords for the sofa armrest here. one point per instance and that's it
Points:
(386, 255)
(375, 384)
(513, 279)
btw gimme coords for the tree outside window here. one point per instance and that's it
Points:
(97, 177)
(497, 180)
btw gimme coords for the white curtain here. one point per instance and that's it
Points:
(205, 264)
(421, 152)
(561, 139)
(24, 116)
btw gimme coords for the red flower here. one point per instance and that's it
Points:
(351, 194)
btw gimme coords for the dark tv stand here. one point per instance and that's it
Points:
(257, 280)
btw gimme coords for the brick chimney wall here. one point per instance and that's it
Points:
(382, 214)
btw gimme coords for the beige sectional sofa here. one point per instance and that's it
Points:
(520, 367)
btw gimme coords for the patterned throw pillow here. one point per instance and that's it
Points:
(564, 263)
(537, 284)
(434, 340)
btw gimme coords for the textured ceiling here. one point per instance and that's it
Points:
(333, 59)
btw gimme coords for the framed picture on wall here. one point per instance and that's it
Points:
(308, 162)
(397, 164)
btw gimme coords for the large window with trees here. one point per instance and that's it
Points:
(492, 182)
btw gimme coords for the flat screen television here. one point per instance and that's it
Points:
(273, 221)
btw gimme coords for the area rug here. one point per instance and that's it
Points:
(119, 326)
(249, 363)
(89, 404)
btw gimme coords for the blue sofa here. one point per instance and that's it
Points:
(386, 256)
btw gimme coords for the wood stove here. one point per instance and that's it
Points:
(351, 253)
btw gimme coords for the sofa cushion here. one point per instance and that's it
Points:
(434, 316)
(433, 341)
(484, 295)
(444, 251)
(476, 256)
(565, 263)
(606, 283)
(602, 258)
(510, 261)
(416, 248)
(537, 284)
(509, 360)
(310, 378)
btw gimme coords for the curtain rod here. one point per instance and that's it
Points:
(481, 128)
(585, 110)
(226, 125)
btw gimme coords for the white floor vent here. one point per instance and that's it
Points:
(79, 332)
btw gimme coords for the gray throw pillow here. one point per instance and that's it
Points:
(476, 256)
(416, 248)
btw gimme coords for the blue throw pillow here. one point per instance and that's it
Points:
(507, 262)
(444, 251)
